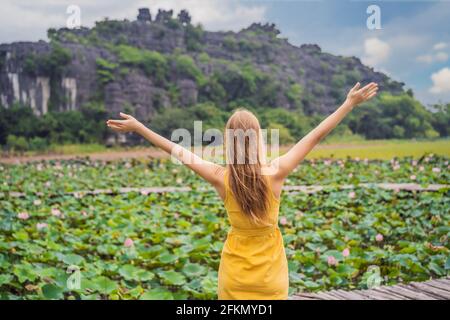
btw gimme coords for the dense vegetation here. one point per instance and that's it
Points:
(386, 117)
(21, 129)
(389, 115)
(147, 246)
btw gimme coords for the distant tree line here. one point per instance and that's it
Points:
(21, 129)
(385, 117)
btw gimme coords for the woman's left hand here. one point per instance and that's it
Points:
(130, 124)
(359, 95)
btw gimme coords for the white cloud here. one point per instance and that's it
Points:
(441, 81)
(427, 58)
(430, 58)
(441, 56)
(440, 46)
(376, 51)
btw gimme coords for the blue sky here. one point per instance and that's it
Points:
(413, 45)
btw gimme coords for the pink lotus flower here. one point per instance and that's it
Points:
(144, 192)
(396, 190)
(41, 226)
(23, 215)
(396, 167)
(421, 168)
(56, 212)
(357, 159)
(352, 194)
(379, 237)
(84, 213)
(427, 159)
(436, 170)
(331, 261)
(37, 202)
(414, 163)
(128, 243)
(346, 252)
(412, 177)
(350, 175)
(283, 221)
(176, 215)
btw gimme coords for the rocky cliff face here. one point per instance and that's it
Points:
(253, 66)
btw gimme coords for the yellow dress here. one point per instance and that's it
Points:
(253, 263)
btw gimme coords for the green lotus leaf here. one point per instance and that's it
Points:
(104, 285)
(167, 258)
(51, 291)
(172, 277)
(5, 279)
(157, 294)
(24, 272)
(193, 270)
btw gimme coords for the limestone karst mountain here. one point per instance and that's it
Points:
(152, 63)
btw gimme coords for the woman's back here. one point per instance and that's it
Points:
(253, 263)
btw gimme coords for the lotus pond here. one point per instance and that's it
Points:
(167, 246)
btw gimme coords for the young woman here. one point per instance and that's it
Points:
(253, 262)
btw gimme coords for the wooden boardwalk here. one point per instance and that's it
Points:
(306, 189)
(437, 289)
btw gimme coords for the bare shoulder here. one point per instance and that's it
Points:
(271, 171)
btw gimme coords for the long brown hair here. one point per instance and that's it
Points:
(244, 150)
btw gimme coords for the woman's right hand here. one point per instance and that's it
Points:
(130, 124)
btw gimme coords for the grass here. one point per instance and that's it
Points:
(78, 148)
(381, 149)
(371, 149)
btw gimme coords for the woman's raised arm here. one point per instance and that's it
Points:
(284, 164)
(206, 169)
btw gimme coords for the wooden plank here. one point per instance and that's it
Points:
(412, 293)
(326, 296)
(441, 283)
(305, 296)
(429, 290)
(349, 295)
(436, 289)
(376, 295)
(393, 296)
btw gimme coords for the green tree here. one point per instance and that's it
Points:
(391, 116)
(440, 119)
